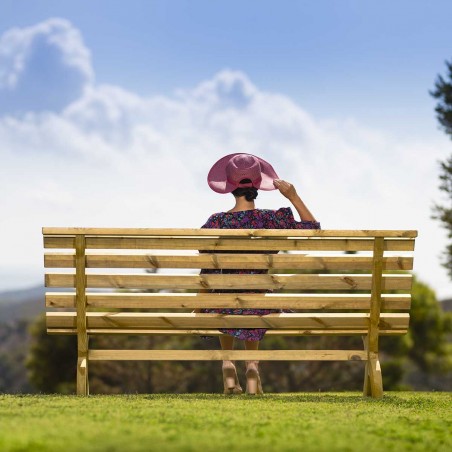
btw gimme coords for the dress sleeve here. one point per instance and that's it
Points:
(212, 223)
(284, 219)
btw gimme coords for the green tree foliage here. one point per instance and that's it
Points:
(14, 342)
(443, 213)
(426, 350)
(443, 92)
(52, 360)
(429, 330)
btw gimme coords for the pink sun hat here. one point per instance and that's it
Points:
(226, 174)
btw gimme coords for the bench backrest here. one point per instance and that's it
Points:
(333, 292)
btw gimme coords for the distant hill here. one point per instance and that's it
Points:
(22, 304)
(21, 295)
(25, 304)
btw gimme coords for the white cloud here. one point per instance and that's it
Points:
(113, 158)
(43, 67)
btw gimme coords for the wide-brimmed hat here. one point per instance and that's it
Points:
(226, 174)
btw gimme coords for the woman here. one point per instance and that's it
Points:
(243, 175)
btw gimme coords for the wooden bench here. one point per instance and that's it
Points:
(317, 271)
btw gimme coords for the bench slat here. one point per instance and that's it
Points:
(207, 355)
(227, 261)
(228, 300)
(233, 281)
(204, 332)
(228, 244)
(192, 320)
(232, 232)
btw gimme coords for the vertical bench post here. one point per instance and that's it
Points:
(80, 303)
(373, 383)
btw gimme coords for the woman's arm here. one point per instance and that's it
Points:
(288, 190)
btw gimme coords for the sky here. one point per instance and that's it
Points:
(113, 112)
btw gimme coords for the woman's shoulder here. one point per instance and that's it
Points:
(214, 221)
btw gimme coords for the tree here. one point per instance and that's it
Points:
(14, 343)
(443, 92)
(52, 360)
(444, 214)
(425, 353)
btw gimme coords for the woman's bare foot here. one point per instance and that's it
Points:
(230, 379)
(253, 381)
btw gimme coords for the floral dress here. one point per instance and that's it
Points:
(251, 219)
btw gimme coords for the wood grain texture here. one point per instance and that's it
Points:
(209, 332)
(375, 378)
(377, 288)
(231, 244)
(366, 385)
(233, 281)
(230, 232)
(228, 300)
(205, 321)
(227, 261)
(237, 355)
(80, 303)
(82, 376)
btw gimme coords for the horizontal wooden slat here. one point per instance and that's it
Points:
(234, 232)
(197, 332)
(228, 300)
(233, 281)
(191, 320)
(207, 355)
(229, 244)
(227, 261)
(59, 242)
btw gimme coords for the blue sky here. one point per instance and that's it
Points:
(374, 60)
(127, 95)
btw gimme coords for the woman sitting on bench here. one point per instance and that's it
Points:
(243, 175)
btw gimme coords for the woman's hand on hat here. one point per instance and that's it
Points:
(285, 188)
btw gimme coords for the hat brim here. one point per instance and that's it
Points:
(218, 182)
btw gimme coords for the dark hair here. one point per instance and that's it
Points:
(250, 193)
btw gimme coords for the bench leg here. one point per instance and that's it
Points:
(376, 382)
(366, 387)
(373, 382)
(82, 376)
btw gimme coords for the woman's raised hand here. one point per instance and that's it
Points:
(288, 190)
(285, 188)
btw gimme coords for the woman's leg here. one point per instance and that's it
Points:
(252, 345)
(253, 381)
(230, 379)
(227, 342)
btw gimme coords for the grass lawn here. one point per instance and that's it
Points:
(401, 421)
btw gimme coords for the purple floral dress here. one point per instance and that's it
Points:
(251, 219)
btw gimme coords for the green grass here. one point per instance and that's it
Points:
(401, 421)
